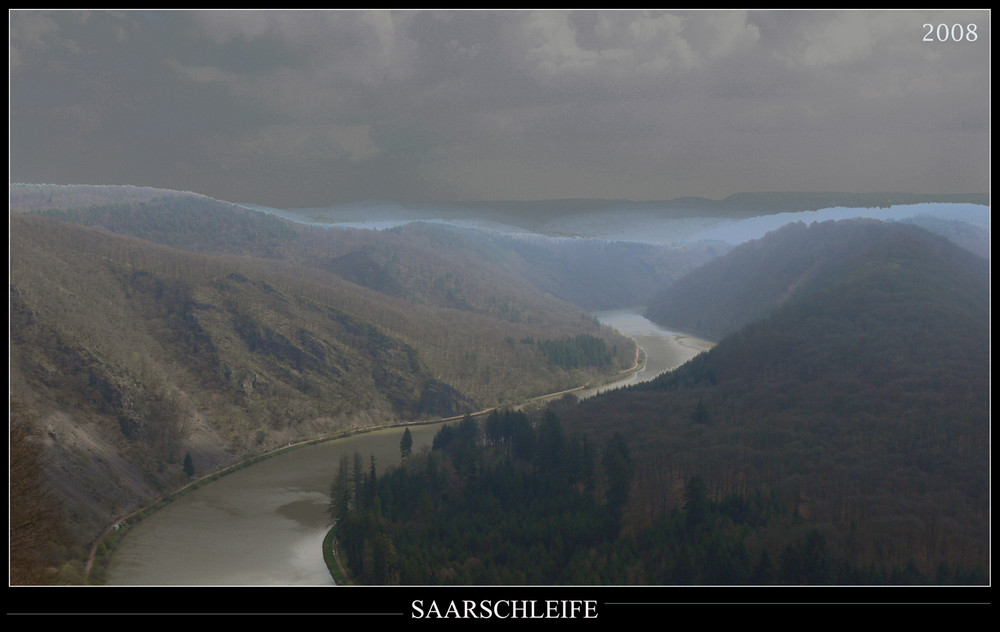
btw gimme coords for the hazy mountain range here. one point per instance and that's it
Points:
(732, 220)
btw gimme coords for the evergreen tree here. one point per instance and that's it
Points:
(551, 442)
(406, 445)
(340, 494)
(618, 470)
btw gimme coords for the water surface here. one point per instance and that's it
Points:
(262, 525)
(664, 349)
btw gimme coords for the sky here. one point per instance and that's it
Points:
(297, 109)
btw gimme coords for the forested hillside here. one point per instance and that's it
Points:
(858, 396)
(761, 275)
(157, 339)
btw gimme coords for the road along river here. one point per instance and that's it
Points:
(264, 524)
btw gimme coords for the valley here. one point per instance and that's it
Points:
(157, 336)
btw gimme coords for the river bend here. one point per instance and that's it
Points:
(264, 524)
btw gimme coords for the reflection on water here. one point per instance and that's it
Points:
(264, 525)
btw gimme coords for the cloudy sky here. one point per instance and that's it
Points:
(314, 108)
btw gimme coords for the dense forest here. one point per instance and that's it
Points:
(518, 501)
(842, 438)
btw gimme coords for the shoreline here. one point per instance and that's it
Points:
(102, 556)
(117, 530)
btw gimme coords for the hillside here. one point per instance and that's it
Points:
(761, 275)
(851, 381)
(146, 332)
(428, 262)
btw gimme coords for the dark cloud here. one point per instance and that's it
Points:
(305, 108)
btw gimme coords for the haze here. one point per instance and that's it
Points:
(313, 108)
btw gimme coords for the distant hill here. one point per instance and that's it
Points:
(784, 201)
(736, 205)
(761, 275)
(851, 380)
(731, 220)
(31, 197)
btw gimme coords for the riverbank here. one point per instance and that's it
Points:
(663, 349)
(104, 547)
(266, 525)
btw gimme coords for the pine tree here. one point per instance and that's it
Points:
(406, 445)
(618, 470)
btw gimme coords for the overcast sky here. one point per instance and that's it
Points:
(314, 108)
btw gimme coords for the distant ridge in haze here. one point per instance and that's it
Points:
(731, 220)
(736, 205)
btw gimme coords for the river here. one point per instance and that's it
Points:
(665, 349)
(264, 525)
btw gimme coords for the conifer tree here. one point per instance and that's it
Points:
(406, 445)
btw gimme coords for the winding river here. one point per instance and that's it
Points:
(664, 349)
(264, 525)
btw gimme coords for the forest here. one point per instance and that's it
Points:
(842, 438)
(516, 501)
(860, 400)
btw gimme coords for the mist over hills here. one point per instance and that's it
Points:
(730, 221)
(738, 205)
(681, 221)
